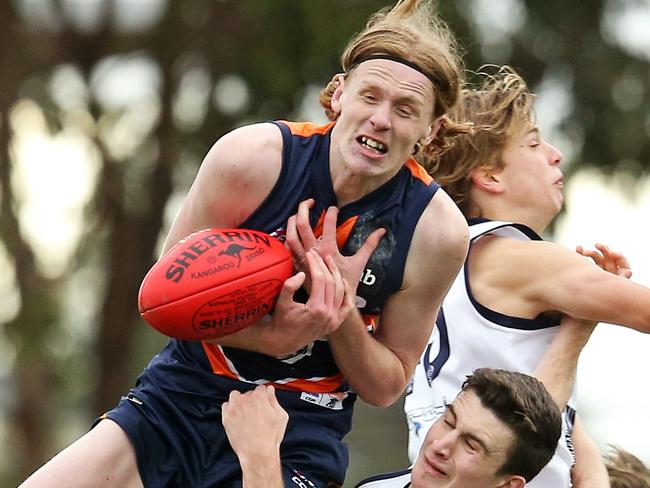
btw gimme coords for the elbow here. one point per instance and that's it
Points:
(386, 389)
(379, 401)
(381, 397)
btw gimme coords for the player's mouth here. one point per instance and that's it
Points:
(434, 468)
(559, 183)
(373, 145)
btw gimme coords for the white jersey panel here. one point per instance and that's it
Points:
(469, 336)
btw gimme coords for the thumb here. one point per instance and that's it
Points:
(291, 285)
(370, 244)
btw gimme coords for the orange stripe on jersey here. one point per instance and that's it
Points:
(418, 171)
(306, 129)
(342, 231)
(370, 321)
(326, 385)
(218, 361)
(219, 365)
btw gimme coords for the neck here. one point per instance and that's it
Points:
(515, 214)
(350, 187)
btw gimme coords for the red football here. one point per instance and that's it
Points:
(214, 282)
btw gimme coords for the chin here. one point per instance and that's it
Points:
(361, 166)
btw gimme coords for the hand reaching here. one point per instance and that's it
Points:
(611, 261)
(301, 239)
(255, 424)
(293, 324)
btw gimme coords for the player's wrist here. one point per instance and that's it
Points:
(260, 461)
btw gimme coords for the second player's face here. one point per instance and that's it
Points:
(385, 107)
(465, 447)
(531, 174)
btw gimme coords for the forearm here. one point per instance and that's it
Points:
(252, 338)
(262, 471)
(557, 368)
(589, 470)
(255, 424)
(264, 337)
(374, 371)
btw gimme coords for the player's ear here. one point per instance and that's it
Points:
(487, 178)
(512, 481)
(433, 130)
(339, 82)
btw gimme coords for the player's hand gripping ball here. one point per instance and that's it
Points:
(214, 282)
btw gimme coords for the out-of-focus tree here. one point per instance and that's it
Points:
(143, 89)
(590, 64)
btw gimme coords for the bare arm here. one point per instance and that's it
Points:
(589, 470)
(255, 424)
(557, 368)
(545, 276)
(242, 167)
(557, 371)
(379, 366)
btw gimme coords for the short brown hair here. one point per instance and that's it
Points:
(500, 105)
(411, 31)
(522, 403)
(626, 470)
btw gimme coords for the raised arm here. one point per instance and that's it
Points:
(255, 424)
(379, 366)
(557, 370)
(545, 276)
(590, 470)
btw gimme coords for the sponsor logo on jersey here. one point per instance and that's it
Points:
(298, 355)
(332, 401)
(301, 481)
(371, 280)
(132, 398)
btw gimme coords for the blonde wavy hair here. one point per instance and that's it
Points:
(500, 106)
(626, 470)
(411, 31)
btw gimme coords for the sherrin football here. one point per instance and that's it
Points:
(214, 282)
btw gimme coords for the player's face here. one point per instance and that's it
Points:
(465, 447)
(531, 175)
(384, 108)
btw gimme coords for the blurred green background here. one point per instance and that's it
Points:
(108, 106)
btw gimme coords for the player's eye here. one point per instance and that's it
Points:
(470, 445)
(369, 97)
(448, 422)
(404, 111)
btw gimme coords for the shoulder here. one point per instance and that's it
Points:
(442, 229)
(439, 245)
(527, 269)
(235, 177)
(242, 166)
(246, 148)
(525, 255)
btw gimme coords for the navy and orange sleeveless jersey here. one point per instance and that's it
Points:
(396, 206)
